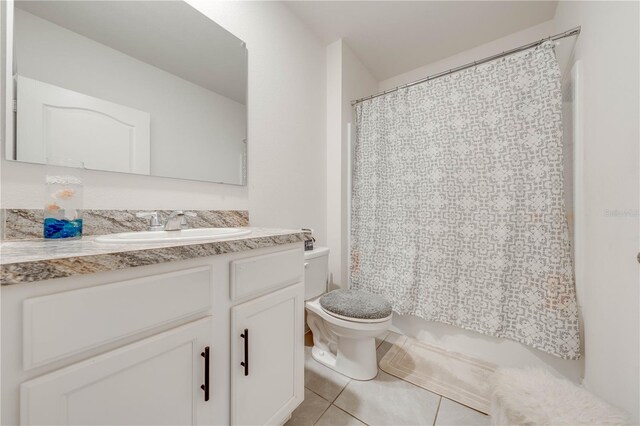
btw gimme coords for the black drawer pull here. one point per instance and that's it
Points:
(205, 387)
(245, 363)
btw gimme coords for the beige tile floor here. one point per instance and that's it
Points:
(331, 399)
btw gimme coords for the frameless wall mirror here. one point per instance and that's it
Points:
(146, 87)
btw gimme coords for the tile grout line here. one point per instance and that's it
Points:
(325, 410)
(316, 393)
(332, 404)
(341, 390)
(338, 396)
(435, 419)
(351, 415)
(311, 390)
(382, 340)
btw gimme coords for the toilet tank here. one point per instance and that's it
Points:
(316, 272)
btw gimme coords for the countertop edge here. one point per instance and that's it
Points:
(47, 269)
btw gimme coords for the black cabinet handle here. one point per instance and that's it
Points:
(245, 363)
(205, 387)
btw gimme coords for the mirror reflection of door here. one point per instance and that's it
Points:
(52, 121)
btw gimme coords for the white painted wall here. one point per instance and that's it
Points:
(204, 129)
(347, 79)
(286, 133)
(608, 49)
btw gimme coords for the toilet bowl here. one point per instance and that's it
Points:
(347, 345)
(343, 338)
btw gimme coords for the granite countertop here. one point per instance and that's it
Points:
(38, 260)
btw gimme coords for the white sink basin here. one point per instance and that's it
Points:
(195, 234)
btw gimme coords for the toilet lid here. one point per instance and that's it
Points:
(355, 304)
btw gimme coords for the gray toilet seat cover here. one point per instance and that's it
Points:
(355, 304)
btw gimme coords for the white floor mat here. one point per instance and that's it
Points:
(458, 377)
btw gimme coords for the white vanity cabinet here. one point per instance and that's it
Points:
(130, 347)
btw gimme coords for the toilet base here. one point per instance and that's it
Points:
(348, 347)
(355, 358)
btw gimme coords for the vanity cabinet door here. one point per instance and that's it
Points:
(267, 357)
(155, 381)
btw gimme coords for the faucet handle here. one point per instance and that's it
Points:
(154, 221)
(183, 222)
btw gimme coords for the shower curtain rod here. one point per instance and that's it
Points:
(569, 33)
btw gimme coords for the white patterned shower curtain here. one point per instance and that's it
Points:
(457, 211)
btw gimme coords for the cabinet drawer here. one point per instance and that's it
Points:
(258, 275)
(67, 323)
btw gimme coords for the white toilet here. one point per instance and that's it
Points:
(344, 323)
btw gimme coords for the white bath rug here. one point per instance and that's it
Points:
(536, 397)
(458, 377)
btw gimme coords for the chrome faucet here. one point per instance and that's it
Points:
(177, 220)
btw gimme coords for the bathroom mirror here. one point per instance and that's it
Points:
(146, 87)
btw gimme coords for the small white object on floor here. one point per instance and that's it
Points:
(536, 397)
